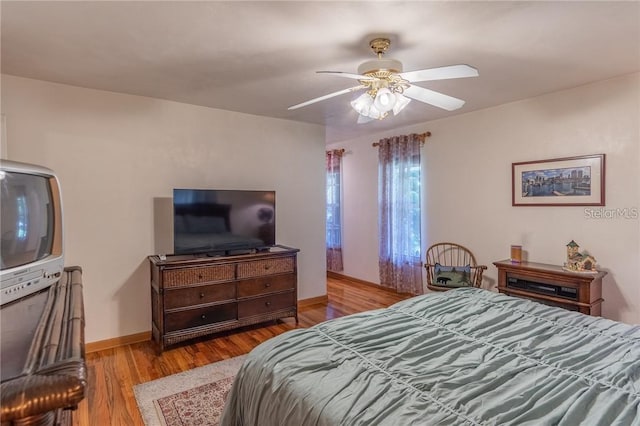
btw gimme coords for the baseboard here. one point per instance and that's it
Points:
(146, 335)
(337, 276)
(117, 341)
(320, 300)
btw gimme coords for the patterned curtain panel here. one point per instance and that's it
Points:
(334, 226)
(399, 203)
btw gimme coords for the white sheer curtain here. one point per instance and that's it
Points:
(334, 222)
(399, 178)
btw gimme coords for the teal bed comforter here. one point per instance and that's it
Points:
(466, 356)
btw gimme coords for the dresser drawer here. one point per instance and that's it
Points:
(259, 268)
(265, 285)
(266, 304)
(185, 297)
(202, 316)
(199, 275)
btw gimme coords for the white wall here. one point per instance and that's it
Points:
(116, 155)
(467, 186)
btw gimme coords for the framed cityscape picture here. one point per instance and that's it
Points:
(571, 181)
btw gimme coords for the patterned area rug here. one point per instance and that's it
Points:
(194, 397)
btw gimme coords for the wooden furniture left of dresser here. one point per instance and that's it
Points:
(194, 296)
(43, 360)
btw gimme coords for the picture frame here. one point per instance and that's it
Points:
(570, 181)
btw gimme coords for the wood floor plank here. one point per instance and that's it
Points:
(112, 373)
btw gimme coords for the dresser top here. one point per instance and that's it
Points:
(195, 259)
(545, 267)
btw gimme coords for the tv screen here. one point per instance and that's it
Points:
(222, 221)
(27, 219)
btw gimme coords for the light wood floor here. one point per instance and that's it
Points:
(112, 373)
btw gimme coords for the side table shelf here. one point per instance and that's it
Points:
(552, 285)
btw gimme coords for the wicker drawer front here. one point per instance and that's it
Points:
(261, 268)
(197, 317)
(185, 297)
(266, 285)
(188, 276)
(266, 304)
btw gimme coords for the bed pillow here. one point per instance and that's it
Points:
(452, 276)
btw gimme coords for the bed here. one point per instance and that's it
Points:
(466, 356)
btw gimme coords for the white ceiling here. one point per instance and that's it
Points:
(260, 57)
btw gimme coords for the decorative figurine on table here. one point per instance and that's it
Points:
(579, 262)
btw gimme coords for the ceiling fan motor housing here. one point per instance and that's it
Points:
(379, 47)
(380, 65)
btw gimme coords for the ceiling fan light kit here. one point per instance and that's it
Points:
(389, 89)
(401, 102)
(384, 100)
(378, 108)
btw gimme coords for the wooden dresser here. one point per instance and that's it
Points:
(552, 285)
(194, 296)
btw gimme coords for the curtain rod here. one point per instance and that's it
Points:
(421, 136)
(337, 151)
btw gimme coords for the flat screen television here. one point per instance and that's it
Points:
(31, 246)
(223, 222)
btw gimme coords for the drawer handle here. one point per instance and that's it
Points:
(267, 267)
(267, 285)
(199, 276)
(203, 316)
(267, 303)
(201, 295)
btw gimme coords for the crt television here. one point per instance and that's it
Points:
(218, 222)
(31, 245)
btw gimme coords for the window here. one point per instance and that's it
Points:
(399, 174)
(334, 225)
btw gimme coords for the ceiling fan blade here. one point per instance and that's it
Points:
(347, 75)
(441, 73)
(330, 95)
(437, 99)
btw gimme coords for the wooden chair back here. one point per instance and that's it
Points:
(451, 255)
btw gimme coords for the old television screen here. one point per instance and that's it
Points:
(214, 221)
(27, 219)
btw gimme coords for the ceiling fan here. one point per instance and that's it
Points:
(390, 89)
